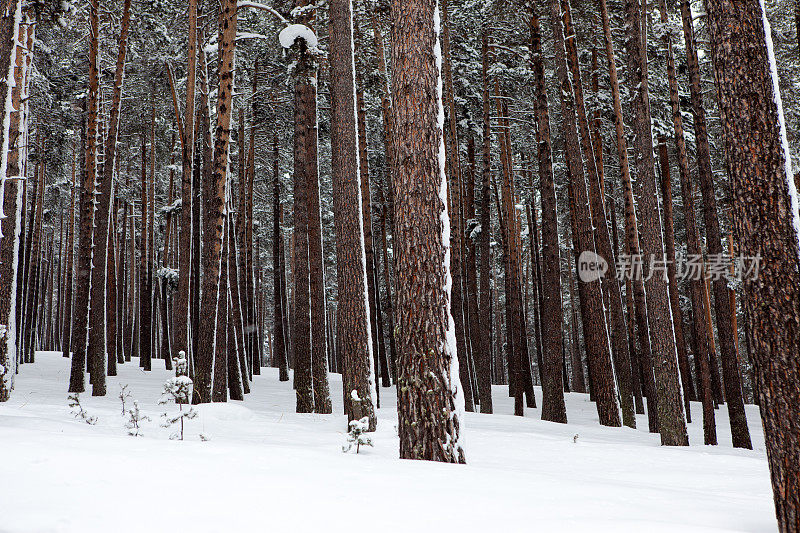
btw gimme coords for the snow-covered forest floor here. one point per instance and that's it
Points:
(266, 468)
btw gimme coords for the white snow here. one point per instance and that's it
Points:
(263, 460)
(292, 32)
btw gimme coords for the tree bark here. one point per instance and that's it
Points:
(429, 395)
(353, 332)
(765, 224)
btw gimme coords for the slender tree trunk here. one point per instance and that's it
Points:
(724, 313)
(219, 392)
(145, 296)
(105, 181)
(553, 408)
(10, 190)
(484, 357)
(214, 207)
(279, 280)
(180, 322)
(353, 332)
(66, 335)
(671, 419)
(594, 319)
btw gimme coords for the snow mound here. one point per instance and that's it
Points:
(224, 412)
(292, 32)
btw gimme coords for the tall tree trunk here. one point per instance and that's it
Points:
(766, 225)
(429, 395)
(484, 358)
(553, 408)
(97, 313)
(671, 419)
(305, 170)
(145, 296)
(219, 391)
(66, 335)
(353, 332)
(593, 315)
(180, 322)
(214, 207)
(730, 362)
(471, 269)
(616, 317)
(10, 190)
(84, 262)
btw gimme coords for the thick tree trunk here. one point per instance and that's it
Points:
(219, 392)
(305, 150)
(766, 226)
(429, 395)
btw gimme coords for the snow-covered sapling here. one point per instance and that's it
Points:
(357, 434)
(74, 402)
(135, 418)
(178, 390)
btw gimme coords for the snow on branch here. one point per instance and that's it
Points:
(256, 5)
(292, 32)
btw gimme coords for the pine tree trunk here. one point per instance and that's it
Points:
(553, 408)
(238, 384)
(11, 193)
(214, 208)
(484, 358)
(593, 314)
(84, 261)
(616, 317)
(105, 181)
(671, 419)
(180, 322)
(305, 149)
(353, 314)
(66, 319)
(471, 269)
(453, 171)
(145, 296)
(219, 392)
(722, 307)
(765, 225)
(429, 395)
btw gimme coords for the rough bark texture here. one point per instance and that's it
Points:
(593, 315)
(428, 386)
(214, 209)
(279, 344)
(84, 263)
(553, 407)
(730, 364)
(672, 423)
(353, 331)
(765, 224)
(305, 149)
